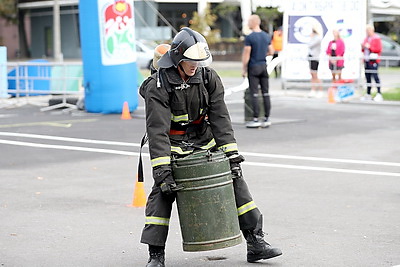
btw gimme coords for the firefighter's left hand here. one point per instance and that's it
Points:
(168, 185)
(234, 161)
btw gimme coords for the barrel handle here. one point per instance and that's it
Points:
(209, 155)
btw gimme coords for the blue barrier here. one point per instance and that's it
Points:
(30, 78)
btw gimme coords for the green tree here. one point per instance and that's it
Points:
(394, 29)
(270, 17)
(203, 24)
(8, 10)
(228, 12)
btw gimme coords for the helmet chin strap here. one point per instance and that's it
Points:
(182, 71)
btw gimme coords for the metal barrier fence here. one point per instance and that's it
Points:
(34, 78)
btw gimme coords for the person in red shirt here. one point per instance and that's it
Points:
(372, 48)
(335, 51)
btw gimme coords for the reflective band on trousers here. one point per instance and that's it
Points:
(157, 221)
(229, 147)
(246, 208)
(179, 150)
(160, 161)
(209, 145)
(179, 118)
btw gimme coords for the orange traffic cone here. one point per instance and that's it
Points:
(331, 95)
(139, 195)
(126, 115)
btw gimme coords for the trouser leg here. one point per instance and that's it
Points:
(247, 210)
(368, 77)
(376, 76)
(158, 214)
(264, 81)
(254, 81)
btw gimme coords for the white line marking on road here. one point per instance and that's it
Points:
(65, 124)
(262, 155)
(278, 156)
(76, 148)
(69, 139)
(312, 168)
(128, 153)
(7, 115)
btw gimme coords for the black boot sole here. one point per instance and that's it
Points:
(257, 257)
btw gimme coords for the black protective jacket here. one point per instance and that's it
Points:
(184, 116)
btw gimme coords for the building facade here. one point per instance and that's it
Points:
(154, 20)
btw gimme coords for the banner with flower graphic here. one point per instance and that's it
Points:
(117, 31)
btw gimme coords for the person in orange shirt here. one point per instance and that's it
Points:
(277, 46)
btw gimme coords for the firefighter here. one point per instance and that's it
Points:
(185, 111)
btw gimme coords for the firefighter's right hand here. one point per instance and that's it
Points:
(168, 185)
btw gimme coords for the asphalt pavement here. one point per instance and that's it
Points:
(325, 176)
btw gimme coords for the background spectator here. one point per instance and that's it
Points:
(335, 51)
(372, 48)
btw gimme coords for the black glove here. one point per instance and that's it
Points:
(234, 161)
(163, 178)
(168, 185)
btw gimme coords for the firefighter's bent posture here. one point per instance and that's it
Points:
(185, 111)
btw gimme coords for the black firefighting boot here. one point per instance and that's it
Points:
(157, 256)
(257, 248)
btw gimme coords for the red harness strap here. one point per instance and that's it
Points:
(180, 132)
(176, 132)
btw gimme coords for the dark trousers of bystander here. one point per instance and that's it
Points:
(371, 70)
(258, 76)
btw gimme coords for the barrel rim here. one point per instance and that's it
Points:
(203, 187)
(212, 244)
(205, 177)
(217, 156)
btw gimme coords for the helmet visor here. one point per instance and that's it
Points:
(198, 52)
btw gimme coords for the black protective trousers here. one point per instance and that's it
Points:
(159, 207)
(258, 76)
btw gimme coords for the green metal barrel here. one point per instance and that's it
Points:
(206, 204)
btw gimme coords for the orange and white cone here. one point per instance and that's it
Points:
(139, 195)
(126, 115)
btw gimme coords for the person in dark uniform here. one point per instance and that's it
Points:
(185, 111)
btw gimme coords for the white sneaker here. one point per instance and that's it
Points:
(320, 94)
(253, 124)
(366, 97)
(378, 98)
(312, 93)
(266, 123)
